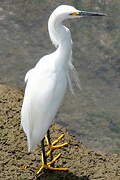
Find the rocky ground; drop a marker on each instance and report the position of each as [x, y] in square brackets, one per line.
[17, 163]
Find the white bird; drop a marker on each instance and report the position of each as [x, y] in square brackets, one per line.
[46, 83]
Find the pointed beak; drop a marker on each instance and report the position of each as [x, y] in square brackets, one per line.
[86, 13]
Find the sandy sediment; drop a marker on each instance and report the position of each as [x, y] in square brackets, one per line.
[16, 163]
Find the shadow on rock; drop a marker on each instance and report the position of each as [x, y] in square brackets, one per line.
[58, 175]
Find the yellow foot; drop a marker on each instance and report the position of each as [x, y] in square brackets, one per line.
[48, 166]
[53, 146]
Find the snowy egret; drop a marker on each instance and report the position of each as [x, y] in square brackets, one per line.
[46, 83]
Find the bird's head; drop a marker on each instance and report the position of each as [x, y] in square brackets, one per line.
[68, 12]
[60, 14]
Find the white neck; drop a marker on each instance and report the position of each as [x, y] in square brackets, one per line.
[59, 34]
[61, 38]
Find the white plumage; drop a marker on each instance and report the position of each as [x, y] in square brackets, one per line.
[46, 83]
[42, 98]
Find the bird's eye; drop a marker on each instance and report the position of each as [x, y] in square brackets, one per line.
[74, 13]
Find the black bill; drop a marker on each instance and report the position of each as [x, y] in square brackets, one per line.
[86, 13]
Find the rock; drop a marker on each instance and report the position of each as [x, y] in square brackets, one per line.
[17, 163]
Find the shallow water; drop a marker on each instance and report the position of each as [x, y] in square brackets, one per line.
[93, 114]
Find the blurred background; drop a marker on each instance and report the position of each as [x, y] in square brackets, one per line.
[93, 115]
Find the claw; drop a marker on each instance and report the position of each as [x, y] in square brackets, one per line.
[53, 146]
[48, 166]
[54, 159]
[57, 140]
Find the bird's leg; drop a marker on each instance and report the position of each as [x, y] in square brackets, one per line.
[44, 160]
[53, 145]
[46, 165]
[48, 140]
